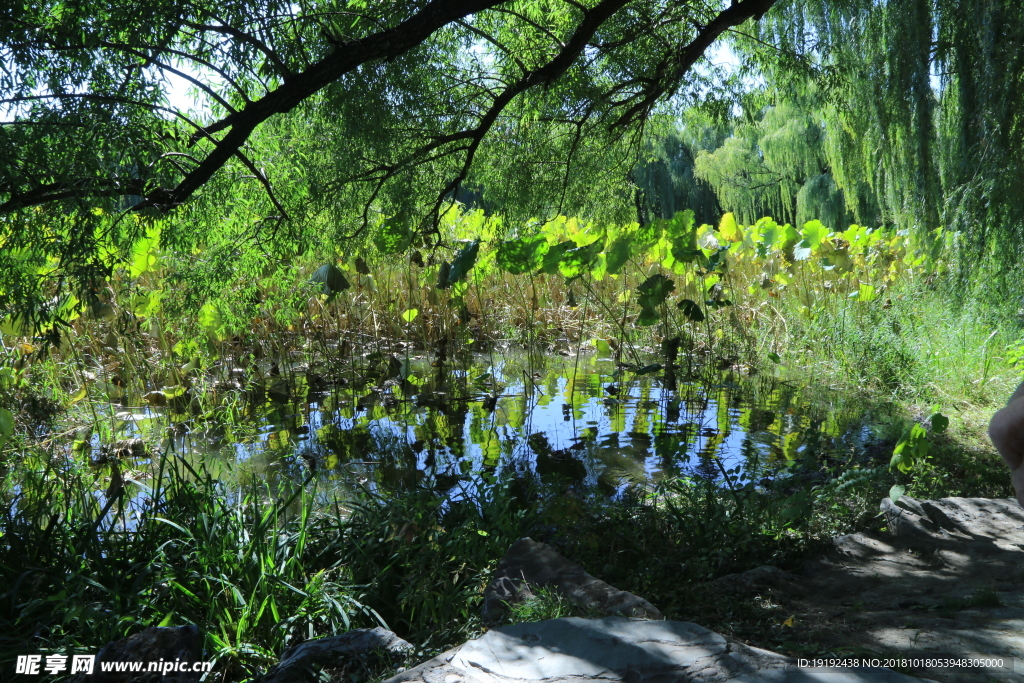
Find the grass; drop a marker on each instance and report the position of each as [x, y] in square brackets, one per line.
[80, 570]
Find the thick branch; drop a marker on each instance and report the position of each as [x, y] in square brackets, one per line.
[671, 70]
[71, 190]
[384, 45]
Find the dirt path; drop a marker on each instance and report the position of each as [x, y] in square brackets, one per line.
[945, 580]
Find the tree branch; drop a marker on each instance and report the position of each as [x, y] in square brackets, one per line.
[271, 56]
[384, 45]
[670, 71]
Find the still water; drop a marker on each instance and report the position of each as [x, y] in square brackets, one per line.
[576, 421]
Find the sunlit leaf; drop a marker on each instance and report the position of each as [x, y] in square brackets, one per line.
[865, 292]
[521, 255]
[393, 236]
[814, 233]
[896, 492]
[576, 261]
[554, 255]
[728, 228]
[603, 347]
[679, 225]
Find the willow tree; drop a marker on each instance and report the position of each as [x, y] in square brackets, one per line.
[774, 160]
[396, 103]
[665, 178]
[923, 101]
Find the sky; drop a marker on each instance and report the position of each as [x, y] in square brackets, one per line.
[182, 95]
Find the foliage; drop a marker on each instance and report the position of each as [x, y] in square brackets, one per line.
[917, 114]
[169, 547]
[914, 445]
[362, 110]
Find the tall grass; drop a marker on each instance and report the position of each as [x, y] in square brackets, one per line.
[81, 568]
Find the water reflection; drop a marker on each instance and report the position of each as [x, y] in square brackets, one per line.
[572, 421]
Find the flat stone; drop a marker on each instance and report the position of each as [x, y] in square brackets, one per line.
[156, 643]
[614, 649]
[946, 580]
[529, 563]
[596, 648]
[302, 662]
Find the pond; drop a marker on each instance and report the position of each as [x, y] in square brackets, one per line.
[578, 421]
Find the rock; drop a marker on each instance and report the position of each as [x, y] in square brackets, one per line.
[612, 649]
[945, 581]
[949, 518]
[151, 645]
[303, 662]
[529, 563]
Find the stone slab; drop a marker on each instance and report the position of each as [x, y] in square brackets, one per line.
[529, 563]
[617, 649]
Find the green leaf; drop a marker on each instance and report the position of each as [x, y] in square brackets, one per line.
[6, 422]
[653, 291]
[729, 229]
[394, 236]
[939, 423]
[648, 234]
[410, 314]
[603, 347]
[210, 317]
[774, 357]
[717, 259]
[618, 253]
[904, 462]
[684, 249]
[896, 492]
[554, 255]
[331, 279]
[692, 311]
[681, 224]
[648, 316]
[442, 275]
[463, 262]
[814, 233]
[865, 292]
[576, 261]
[521, 255]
